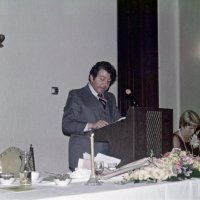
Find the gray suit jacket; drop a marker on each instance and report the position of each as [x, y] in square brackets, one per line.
[83, 107]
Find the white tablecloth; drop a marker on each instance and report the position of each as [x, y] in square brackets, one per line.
[76, 190]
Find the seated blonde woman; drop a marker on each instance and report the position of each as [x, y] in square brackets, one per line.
[186, 138]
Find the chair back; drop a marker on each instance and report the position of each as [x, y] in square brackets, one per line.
[10, 161]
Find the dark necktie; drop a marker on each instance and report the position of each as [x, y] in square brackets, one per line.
[103, 100]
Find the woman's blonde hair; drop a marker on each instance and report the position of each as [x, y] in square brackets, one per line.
[189, 118]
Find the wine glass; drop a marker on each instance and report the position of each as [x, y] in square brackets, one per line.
[99, 167]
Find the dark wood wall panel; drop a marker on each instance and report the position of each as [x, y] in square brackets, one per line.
[137, 52]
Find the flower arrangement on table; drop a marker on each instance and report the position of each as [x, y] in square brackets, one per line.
[173, 166]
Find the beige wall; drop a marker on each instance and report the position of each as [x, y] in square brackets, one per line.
[168, 48]
[55, 43]
[49, 43]
[179, 55]
[190, 54]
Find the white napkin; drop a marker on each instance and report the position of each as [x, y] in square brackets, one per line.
[85, 162]
[107, 159]
[80, 173]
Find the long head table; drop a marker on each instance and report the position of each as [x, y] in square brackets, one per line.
[76, 190]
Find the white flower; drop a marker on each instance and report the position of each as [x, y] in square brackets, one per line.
[135, 174]
[143, 174]
[194, 142]
[159, 174]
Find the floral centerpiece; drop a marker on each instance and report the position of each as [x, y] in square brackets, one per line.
[173, 166]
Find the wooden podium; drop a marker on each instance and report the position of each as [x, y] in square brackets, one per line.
[142, 131]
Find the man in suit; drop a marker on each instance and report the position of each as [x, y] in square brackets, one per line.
[85, 110]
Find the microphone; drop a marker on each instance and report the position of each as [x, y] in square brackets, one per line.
[131, 98]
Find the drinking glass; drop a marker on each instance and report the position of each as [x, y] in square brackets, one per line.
[99, 167]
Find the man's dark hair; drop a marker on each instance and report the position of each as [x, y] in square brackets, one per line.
[105, 66]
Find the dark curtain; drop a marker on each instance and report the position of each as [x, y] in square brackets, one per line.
[137, 53]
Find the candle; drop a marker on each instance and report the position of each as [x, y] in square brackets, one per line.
[92, 154]
[93, 179]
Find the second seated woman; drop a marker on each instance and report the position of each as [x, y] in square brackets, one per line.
[187, 138]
